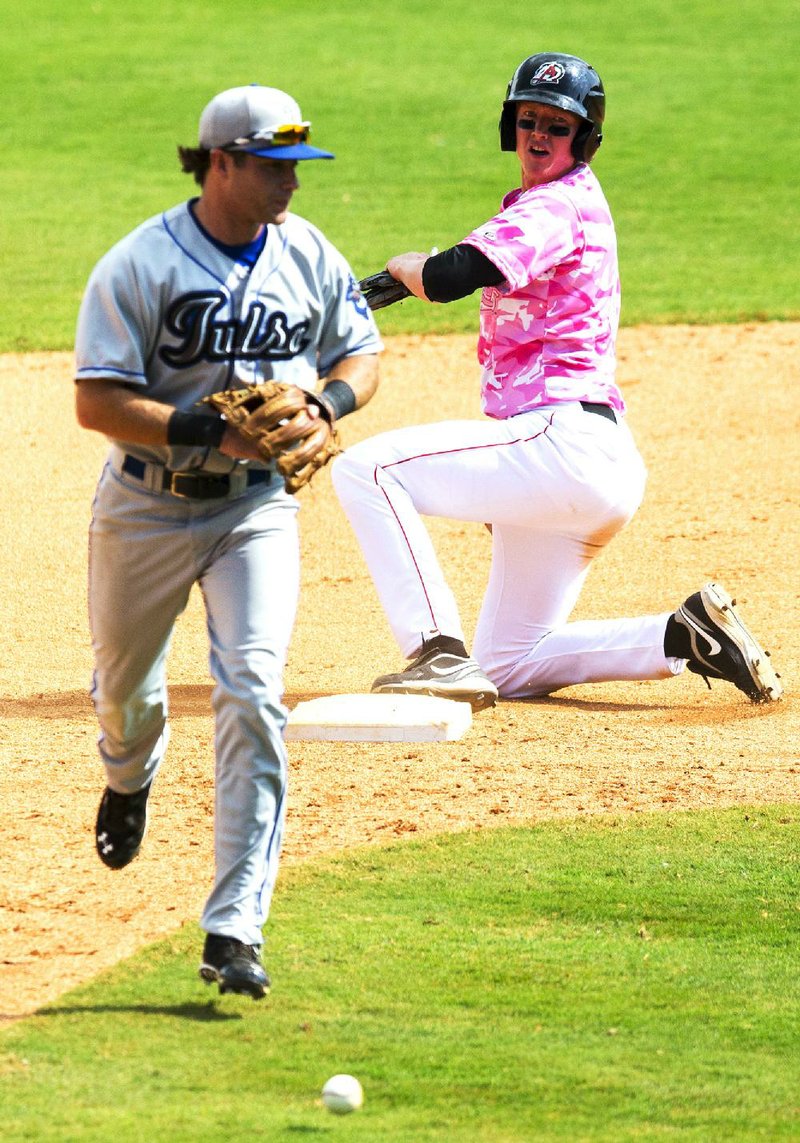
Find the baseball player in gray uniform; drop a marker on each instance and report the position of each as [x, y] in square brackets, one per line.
[226, 289]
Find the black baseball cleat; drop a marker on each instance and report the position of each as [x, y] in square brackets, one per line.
[121, 825]
[442, 675]
[721, 646]
[234, 966]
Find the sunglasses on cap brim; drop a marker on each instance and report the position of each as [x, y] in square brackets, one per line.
[287, 135]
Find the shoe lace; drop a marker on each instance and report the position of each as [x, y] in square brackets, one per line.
[697, 669]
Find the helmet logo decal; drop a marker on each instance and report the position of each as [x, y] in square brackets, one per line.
[550, 72]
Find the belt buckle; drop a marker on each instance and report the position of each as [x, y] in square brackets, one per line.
[174, 478]
[199, 485]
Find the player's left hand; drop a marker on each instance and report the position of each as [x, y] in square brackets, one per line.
[238, 446]
[284, 424]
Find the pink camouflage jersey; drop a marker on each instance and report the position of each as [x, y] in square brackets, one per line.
[548, 334]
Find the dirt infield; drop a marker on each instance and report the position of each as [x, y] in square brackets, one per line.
[715, 411]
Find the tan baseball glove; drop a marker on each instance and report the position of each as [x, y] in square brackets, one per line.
[277, 417]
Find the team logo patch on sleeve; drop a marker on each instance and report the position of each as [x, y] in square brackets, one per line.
[550, 72]
[355, 296]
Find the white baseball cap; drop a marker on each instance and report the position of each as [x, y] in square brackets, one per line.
[260, 120]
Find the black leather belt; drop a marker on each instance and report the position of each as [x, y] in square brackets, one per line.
[195, 485]
[601, 410]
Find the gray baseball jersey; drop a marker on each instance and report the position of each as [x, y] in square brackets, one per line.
[171, 311]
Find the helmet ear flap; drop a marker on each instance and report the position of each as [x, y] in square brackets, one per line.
[587, 140]
[508, 127]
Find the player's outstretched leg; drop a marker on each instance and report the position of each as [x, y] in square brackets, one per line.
[709, 633]
[234, 966]
[445, 670]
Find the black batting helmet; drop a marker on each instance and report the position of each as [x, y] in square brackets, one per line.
[562, 81]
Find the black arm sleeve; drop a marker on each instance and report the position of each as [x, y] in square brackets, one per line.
[456, 272]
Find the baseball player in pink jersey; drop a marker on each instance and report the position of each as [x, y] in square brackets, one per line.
[553, 470]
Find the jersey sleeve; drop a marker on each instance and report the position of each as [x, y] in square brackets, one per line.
[348, 328]
[115, 323]
[536, 232]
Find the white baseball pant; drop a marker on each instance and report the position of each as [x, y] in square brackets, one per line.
[556, 485]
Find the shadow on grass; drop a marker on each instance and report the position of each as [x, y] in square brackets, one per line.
[203, 1013]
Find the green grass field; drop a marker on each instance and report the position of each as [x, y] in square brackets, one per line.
[697, 162]
[615, 979]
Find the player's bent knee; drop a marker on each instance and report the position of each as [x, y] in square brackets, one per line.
[130, 731]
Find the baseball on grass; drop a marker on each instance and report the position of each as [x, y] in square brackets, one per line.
[342, 1094]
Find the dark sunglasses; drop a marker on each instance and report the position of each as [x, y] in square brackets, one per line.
[287, 135]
